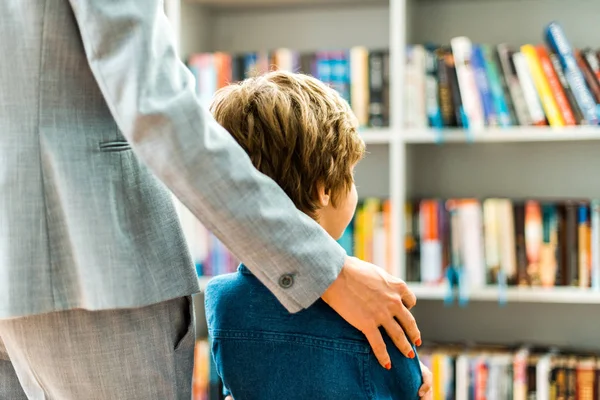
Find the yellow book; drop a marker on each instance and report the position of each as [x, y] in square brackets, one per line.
[359, 239]
[371, 208]
[543, 88]
[436, 370]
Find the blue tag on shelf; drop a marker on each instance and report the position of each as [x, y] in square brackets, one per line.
[502, 285]
[452, 280]
[438, 136]
[463, 288]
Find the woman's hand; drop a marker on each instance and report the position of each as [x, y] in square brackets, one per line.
[425, 391]
[368, 297]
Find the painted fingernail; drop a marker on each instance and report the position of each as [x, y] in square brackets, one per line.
[418, 342]
[411, 354]
[388, 366]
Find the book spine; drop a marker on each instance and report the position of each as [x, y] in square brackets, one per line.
[376, 89]
[555, 86]
[431, 250]
[558, 42]
[434, 114]
[359, 90]
[572, 245]
[508, 258]
[419, 60]
[492, 239]
[592, 60]
[541, 84]
[579, 119]
[529, 91]
[523, 117]
[547, 263]
[444, 90]
[386, 88]
[483, 85]
[502, 110]
[588, 75]
[583, 237]
[462, 50]
[323, 67]
[459, 111]
[586, 375]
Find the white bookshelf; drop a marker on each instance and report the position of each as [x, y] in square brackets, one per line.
[499, 135]
[558, 295]
[517, 162]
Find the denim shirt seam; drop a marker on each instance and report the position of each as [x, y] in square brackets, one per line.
[335, 344]
[367, 382]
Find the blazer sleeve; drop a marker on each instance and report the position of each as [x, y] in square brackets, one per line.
[131, 51]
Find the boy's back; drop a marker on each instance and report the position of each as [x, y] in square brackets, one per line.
[303, 135]
[264, 352]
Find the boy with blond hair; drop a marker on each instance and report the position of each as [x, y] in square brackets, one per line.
[304, 136]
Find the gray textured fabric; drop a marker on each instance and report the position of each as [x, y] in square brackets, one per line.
[99, 121]
[144, 353]
[10, 387]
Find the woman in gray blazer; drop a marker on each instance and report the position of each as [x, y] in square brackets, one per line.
[99, 123]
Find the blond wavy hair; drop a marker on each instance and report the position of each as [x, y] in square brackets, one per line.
[296, 130]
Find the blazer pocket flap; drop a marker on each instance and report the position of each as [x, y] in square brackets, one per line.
[115, 145]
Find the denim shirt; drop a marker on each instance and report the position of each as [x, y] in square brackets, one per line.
[262, 352]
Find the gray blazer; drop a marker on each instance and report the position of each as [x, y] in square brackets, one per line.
[99, 123]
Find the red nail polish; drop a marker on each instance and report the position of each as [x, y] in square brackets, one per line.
[411, 354]
[418, 343]
[388, 366]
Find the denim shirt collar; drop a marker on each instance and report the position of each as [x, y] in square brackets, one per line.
[244, 270]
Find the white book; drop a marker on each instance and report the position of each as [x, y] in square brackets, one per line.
[415, 103]
[542, 375]
[410, 91]
[471, 222]
[285, 59]
[462, 377]
[462, 49]
[491, 234]
[506, 229]
[529, 91]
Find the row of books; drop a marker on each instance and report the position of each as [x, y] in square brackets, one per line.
[502, 241]
[516, 374]
[206, 383]
[208, 253]
[359, 74]
[474, 86]
[369, 235]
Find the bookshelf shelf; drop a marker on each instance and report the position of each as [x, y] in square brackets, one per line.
[507, 135]
[376, 135]
[555, 295]
[519, 162]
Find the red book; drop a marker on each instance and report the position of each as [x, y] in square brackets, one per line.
[555, 86]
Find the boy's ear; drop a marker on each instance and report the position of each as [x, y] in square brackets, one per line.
[323, 194]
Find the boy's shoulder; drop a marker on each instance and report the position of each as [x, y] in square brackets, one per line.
[240, 301]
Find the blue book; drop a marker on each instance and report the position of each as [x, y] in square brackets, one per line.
[347, 239]
[500, 105]
[483, 85]
[557, 40]
[323, 67]
[339, 69]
